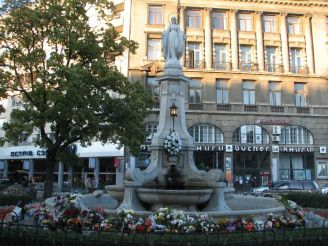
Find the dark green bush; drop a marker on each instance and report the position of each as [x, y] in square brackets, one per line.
[309, 200]
[7, 200]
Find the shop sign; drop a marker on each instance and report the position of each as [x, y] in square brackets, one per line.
[272, 122]
[253, 148]
[28, 153]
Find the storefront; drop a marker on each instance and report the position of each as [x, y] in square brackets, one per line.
[103, 163]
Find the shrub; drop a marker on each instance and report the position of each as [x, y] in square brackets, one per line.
[309, 200]
[7, 200]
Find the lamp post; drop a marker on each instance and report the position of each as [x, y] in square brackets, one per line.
[173, 112]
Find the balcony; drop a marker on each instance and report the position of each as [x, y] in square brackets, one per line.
[195, 106]
[248, 67]
[194, 64]
[223, 107]
[221, 66]
[299, 69]
[274, 68]
[250, 108]
[303, 110]
[277, 109]
[156, 105]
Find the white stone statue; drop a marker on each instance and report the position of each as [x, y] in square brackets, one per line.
[173, 41]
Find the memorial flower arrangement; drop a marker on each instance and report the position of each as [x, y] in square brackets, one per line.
[172, 143]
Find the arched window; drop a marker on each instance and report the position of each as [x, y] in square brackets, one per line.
[206, 133]
[151, 129]
[251, 134]
[296, 135]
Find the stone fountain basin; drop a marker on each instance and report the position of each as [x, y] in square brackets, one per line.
[178, 198]
[116, 191]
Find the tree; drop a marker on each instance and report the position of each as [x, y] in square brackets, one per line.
[56, 63]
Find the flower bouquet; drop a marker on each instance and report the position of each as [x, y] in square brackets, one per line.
[172, 144]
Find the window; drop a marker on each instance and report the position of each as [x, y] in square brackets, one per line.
[293, 24]
[248, 93]
[194, 91]
[271, 59]
[251, 134]
[275, 93]
[245, 57]
[295, 135]
[206, 133]
[300, 97]
[295, 60]
[193, 17]
[151, 129]
[220, 57]
[194, 55]
[155, 15]
[269, 23]
[153, 87]
[245, 22]
[322, 169]
[219, 21]
[154, 49]
[222, 92]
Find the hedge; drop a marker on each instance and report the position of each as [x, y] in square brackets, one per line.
[308, 200]
[7, 200]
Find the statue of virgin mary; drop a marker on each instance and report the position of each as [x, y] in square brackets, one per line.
[173, 41]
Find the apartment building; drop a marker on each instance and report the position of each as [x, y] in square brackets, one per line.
[257, 104]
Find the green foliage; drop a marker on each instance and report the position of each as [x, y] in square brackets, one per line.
[309, 200]
[7, 200]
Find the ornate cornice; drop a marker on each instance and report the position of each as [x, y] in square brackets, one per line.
[305, 3]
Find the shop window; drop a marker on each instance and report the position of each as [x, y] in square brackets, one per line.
[194, 91]
[251, 134]
[248, 93]
[153, 87]
[155, 15]
[193, 17]
[151, 129]
[219, 21]
[245, 22]
[222, 92]
[269, 23]
[300, 96]
[296, 135]
[275, 93]
[153, 49]
[293, 24]
[206, 133]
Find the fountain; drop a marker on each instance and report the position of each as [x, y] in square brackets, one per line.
[172, 178]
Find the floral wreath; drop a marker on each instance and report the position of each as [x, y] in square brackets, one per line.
[172, 144]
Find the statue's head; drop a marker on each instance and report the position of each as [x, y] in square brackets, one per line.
[174, 20]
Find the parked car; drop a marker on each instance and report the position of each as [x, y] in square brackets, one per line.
[258, 191]
[285, 186]
[324, 189]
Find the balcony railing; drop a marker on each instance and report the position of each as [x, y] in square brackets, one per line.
[248, 67]
[277, 109]
[303, 110]
[194, 64]
[250, 108]
[223, 107]
[195, 106]
[156, 105]
[299, 69]
[273, 68]
[221, 66]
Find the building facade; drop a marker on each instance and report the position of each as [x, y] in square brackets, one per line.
[257, 104]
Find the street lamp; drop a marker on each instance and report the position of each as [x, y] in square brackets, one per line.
[173, 112]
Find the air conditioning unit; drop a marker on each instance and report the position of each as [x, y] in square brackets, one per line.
[276, 130]
[275, 138]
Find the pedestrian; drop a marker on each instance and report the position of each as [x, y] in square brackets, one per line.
[89, 185]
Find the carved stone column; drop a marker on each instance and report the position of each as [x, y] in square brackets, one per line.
[284, 42]
[259, 41]
[208, 39]
[309, 43]
[234, 39]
